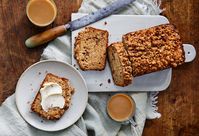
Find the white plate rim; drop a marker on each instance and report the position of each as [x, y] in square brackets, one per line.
[43, 61]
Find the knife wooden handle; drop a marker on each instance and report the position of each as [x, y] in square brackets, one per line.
[45, 36]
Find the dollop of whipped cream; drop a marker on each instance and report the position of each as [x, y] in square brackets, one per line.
[51, 96]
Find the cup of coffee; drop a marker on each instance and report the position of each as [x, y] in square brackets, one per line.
[41, 12]
[121, 108]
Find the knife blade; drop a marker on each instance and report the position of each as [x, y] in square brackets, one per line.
[98, 15]
[51, 34]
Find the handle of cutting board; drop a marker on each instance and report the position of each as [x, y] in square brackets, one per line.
[45, 36]
[190, 52]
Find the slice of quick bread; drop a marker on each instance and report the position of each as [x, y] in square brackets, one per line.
[120, 64]
[55, 112]
[154, 49]
[90, 49]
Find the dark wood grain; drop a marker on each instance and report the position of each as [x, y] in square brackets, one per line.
[178, 104]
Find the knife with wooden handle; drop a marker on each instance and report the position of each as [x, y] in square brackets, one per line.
[51, 34]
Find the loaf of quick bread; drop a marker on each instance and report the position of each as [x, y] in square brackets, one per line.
[120, 64]
[154, 49]
[90, 48]
[55, 112]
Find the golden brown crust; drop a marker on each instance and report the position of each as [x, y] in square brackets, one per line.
[90, 49]
[53, 113]
[120, 64]
[154, 49]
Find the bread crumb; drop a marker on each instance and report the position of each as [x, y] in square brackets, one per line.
[105, 23]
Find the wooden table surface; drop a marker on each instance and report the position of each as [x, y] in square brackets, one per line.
[178, 104]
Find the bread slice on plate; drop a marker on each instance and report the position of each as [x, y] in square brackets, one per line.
[90, 48]
[120, 64]
[55, 112]
[154, 49]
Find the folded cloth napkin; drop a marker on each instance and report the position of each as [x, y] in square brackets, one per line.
[95, 121]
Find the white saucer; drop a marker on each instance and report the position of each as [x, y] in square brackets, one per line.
[29, 84]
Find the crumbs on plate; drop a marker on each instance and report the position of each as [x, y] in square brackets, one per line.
[105, 23]
[109, 81]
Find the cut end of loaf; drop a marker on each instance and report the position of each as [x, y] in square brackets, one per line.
[120, 64]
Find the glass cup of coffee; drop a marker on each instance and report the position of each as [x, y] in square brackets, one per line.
[41, 12]
[121, 108]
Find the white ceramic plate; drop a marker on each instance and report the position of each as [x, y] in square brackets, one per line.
[29, 84]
